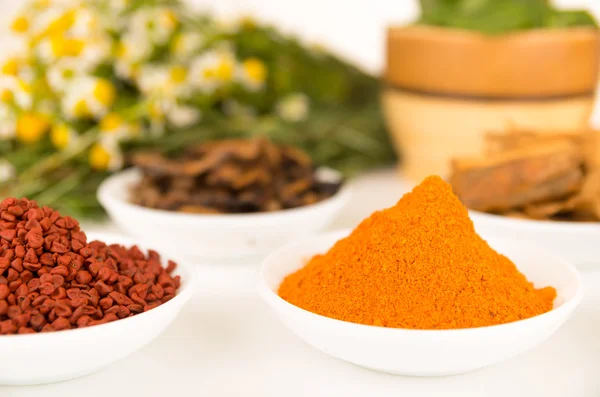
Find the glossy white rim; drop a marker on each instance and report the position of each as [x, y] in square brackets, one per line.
[122, 180]
[286, 309]
[186, 291]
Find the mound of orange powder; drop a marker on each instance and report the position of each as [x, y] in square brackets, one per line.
[417, 265]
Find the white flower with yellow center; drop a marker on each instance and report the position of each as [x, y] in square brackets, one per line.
[8, 123]
[294, 107]
[182, 116]
[86, 23]
[114, 127]
[54, 20]
[61, 74]
[106, 155]
[211, 70]
[96, 50]
[88, 97]
[17, 91]
[57, 46]
[133, 48]
[164, 81]
[252, 74]
[19, 67]
[126, 70]
[185, 45]
[63, 137]
[156, 23]
[7, 171]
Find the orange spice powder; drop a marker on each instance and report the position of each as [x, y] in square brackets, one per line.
[417, 265]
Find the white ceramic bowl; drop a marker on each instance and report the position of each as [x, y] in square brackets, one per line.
[578, 243]
[216, 236]
[57, 356]
[423, 352]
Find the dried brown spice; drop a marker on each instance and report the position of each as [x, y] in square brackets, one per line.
[230, 176]
[52, 279]
[533, 175]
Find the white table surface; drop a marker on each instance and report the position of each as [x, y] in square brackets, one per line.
[227, 343]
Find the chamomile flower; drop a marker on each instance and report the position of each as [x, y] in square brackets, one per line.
[88, 97]
[133, 48]
[86, 23]
[157, 23]
[186, 44]
[294, 107]
[127, 70]
[165, 81]
[113, 126]
[62, 136]
[61, 74]
[212, 70]
[106, 156]
[17, 66]
[96, 50]
[55, 20]
[54, 47]
[181, 116]
[252, 74]
[7, 171]
[16, 91]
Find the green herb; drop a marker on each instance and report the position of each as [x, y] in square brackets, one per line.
[500, 16]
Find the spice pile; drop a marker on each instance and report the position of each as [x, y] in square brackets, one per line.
[533, 175]
[52, 279]
[230, 176]
[417, 265]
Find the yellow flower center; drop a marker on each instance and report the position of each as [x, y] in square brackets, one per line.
[10, 67]
[99, 157]
[20, 24]
[62, 46]
[31, 127]
[255, 69]
[104, 92]
[81, 109]
[178, 74]
[6, 96]
[169, 19]
[224, 71]
[60, 136]
[111, 122]
[61, 24]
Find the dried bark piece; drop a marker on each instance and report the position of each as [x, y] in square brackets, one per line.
[512, 179]
[546, 210]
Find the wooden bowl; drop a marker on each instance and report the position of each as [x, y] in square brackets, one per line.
[445, 88]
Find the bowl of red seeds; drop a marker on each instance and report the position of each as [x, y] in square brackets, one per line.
[71, 304]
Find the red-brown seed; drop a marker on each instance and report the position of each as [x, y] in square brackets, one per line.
[60, 324]
[83, 277]
[4, 291]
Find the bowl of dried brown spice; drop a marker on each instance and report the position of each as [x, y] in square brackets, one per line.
[224, 199]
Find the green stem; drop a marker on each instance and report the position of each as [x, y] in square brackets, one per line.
[60, 189]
